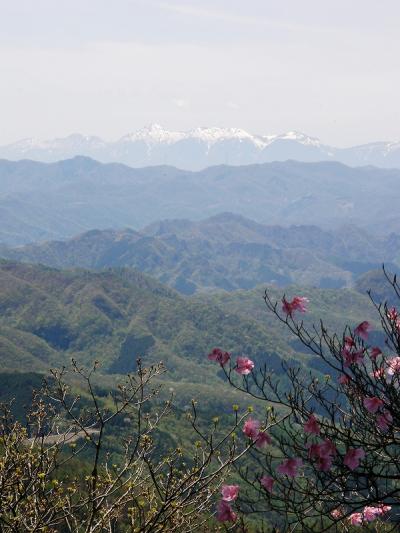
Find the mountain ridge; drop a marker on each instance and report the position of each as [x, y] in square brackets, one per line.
[202, 147]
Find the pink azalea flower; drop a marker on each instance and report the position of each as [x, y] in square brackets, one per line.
[327, 448]
[352, 358]
[251, 428]
[289, 467]
[349, 342]
[229, 492]
[356, 519]
[394, 366]
[244, 365]
[375, 352]
[378, 373]
[267, 482]
[225, 512]
[372, 404]
[370, 513]
[312, 426]
[392, 314]
[299, 303]
[384, 420]
[337, 513]
[263, 439]
[343, 379]
[323, 453]
[382, 509]
[219, 355]
[363, 329]
[353, 457]
[324, 463]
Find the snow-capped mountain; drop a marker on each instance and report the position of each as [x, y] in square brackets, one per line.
[202, 147]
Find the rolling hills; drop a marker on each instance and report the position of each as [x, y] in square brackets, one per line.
[49, 316]
[226, 252]
[41, 201]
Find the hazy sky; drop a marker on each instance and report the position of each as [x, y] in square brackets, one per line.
[329, 68]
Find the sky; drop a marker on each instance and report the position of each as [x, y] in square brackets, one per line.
[329, 68]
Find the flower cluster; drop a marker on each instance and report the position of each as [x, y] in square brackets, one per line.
[225, 512]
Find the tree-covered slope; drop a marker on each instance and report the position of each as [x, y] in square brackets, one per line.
[226, 251]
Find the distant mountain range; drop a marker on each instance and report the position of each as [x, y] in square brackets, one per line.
[202, 147]
[48, 201]
[226, 251]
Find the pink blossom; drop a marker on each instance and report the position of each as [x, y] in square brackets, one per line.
[327, 448]
[394, 366]
[225, 512]
[337, 513]
[352, 358]
[382, 509]
[267, 482]
[375, 352]
[312, 426]
[219, 355]
[384, 420]
[251, 428]
[392, 314]
[229, 492]
[299, 303]
[356, 519]
[324, 463]
[363, 329]
[378, 373]
[349, 342]
[353, 457]
[289, 467]
[244, 365]
[343, 379]
[372, 404]
[263, 439]
[370, 513]
[323, 453]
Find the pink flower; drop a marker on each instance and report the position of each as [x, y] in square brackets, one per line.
[349, 342]
[378, 373]
[324, 463]
[353, 457]
[229, 492]
[352, 358]
[392, 314]
[372, 404]
[323, 453]
[363, 329]
[394, 366]
[267, 482]
[225, 512]
[251, 428]
[299, 303]
[263, 439]
[370, 513]
[343, 379]
[337, 513]
[356, 519]
[384, 420]
[312, 426]
[382, 509]
[219, 355]
[327, 448]
[289, 467]
[375, 352]
[244, 365]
